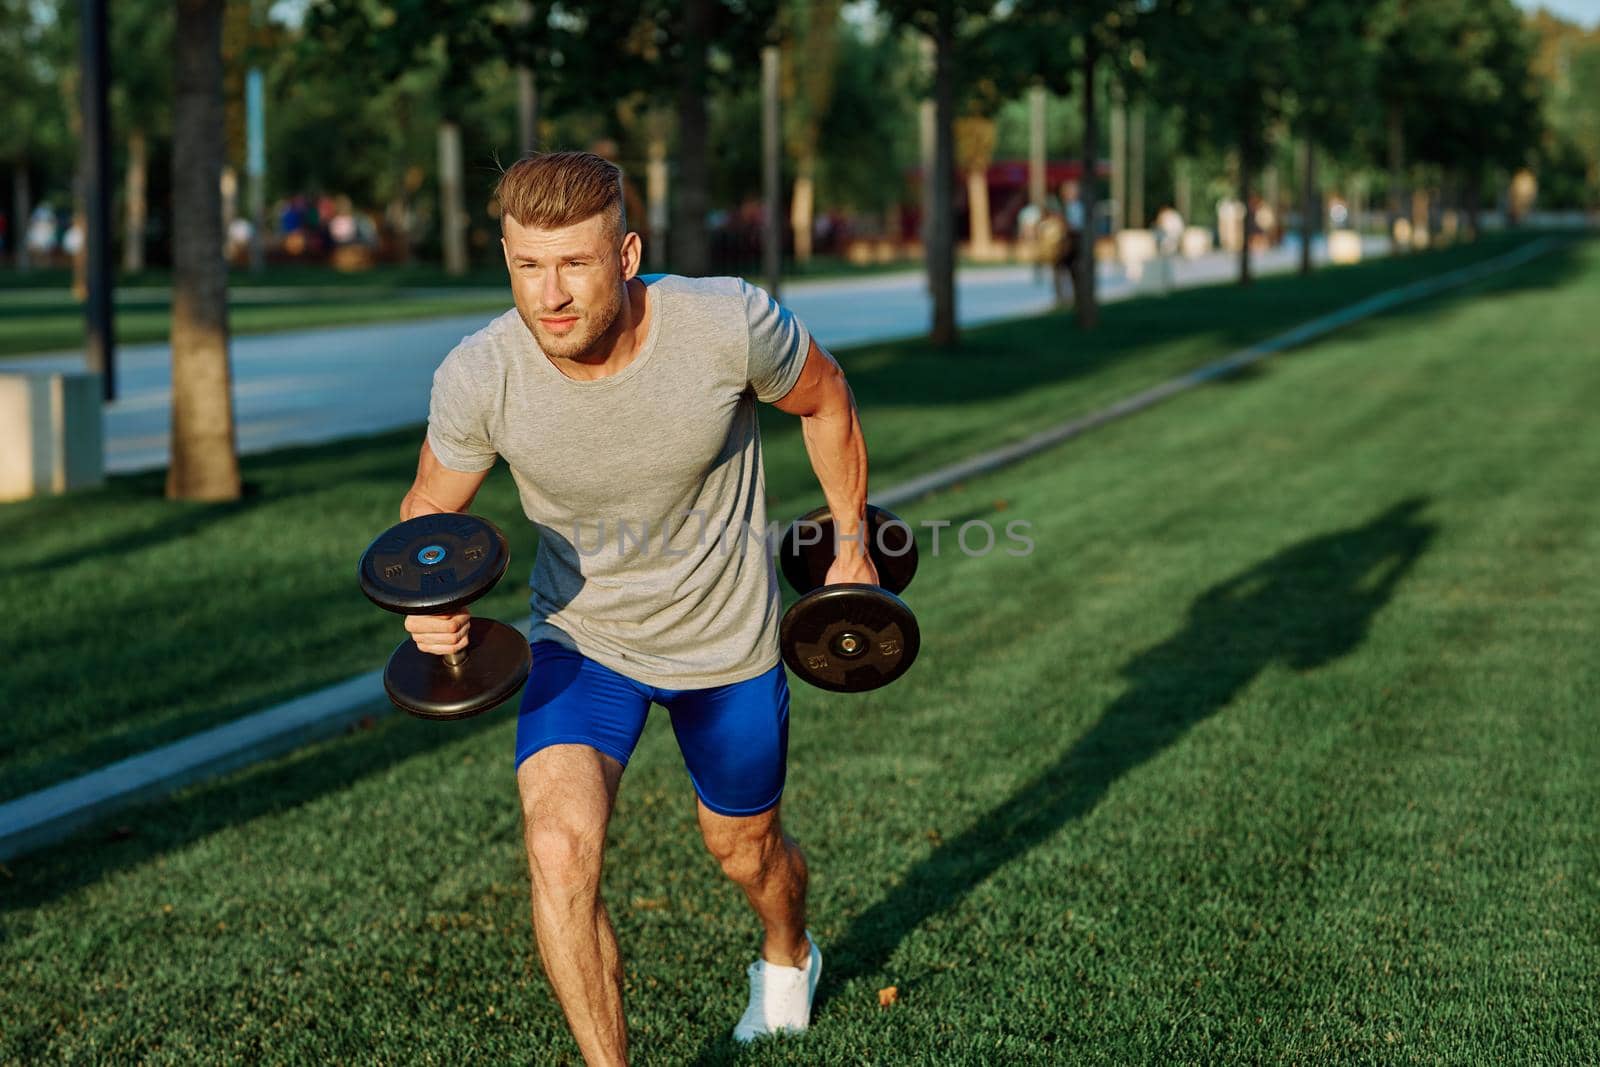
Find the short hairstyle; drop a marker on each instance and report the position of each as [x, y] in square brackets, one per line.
[555, 189]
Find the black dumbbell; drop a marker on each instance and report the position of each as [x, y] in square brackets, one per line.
[848, 638]
[437, 565]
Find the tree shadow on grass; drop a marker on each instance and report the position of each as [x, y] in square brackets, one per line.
[1305, 607]
[135, 836]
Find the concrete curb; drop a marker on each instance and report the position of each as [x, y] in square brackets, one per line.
[46, 816]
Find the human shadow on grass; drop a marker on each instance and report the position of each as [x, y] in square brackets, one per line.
[1304, 607]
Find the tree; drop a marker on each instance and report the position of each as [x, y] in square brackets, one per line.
[1493, 120]
[141, 101]
[33, 115]
[1228, 66]
[1332, 91]
[453, 39]
[1457, 84]
[810, 61]
[946, 25]
[1567, 59]
[204, 463]
[1099, 35]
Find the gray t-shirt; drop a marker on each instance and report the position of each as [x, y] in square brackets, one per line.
[646, 486]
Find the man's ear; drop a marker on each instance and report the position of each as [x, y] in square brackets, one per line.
[632, 254]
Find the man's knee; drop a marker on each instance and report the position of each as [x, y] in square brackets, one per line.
[563, 856]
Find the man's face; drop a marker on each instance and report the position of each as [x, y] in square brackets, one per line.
[569, 283]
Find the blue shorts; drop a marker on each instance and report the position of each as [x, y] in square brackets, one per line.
[734, 738]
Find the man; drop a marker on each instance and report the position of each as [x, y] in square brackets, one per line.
[625, 409]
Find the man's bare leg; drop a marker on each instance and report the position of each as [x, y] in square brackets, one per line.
[568, 792]
[771, 870]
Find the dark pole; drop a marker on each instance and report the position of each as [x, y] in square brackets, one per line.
[97, 193]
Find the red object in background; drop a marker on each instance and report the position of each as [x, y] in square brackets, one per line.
[1008, 193]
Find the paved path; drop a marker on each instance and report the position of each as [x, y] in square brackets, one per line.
[330, 383]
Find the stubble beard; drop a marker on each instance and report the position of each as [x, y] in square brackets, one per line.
[591, 328]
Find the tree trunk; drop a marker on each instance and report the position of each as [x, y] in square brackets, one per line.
[452, 215]
[1473, 201]
[80, 255]
[1038, 185]
[1084, 296]
[1247, 227]
[21, 212]
[527, 87]
[802, 216]
[204, 465]
[980, 232]
[398, 217]
[771, 171]
[942, 225]
[527, 111]
[135, 210]
[1310, 215]
[1396, 173]
[1119, 157]
[1136, 215]
[1180, 189]
[655, 184]
[691, 247]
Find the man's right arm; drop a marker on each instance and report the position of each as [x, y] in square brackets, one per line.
[438, 488]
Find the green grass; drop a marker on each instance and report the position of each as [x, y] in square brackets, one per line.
[152, 620]
[1279, 748]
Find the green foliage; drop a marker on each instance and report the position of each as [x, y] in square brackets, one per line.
[1460, 72]
[1333, 79]
[1567, 61]
[35, 120]
[1228, 66]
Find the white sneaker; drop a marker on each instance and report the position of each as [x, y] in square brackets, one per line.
[780, 997]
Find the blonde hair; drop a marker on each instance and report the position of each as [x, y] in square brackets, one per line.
[555, 189]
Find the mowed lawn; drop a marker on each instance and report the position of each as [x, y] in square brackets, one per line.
[151, 620]
[1279, 747]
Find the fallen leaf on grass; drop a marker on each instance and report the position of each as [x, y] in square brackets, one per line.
[888, 996]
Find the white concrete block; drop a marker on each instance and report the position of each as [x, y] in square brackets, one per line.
[51, 436]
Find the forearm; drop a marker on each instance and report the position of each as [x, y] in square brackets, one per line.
[838, 452]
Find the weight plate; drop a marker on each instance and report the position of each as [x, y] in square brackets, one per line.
[807, 549]
[849, 638]
[497, 663]
[433, 564]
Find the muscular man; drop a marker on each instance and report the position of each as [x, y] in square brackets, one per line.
[625, 409]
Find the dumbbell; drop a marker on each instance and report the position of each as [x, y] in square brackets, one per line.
[848, 638]
[437, 565]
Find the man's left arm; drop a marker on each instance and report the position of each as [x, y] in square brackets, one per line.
[831, 429]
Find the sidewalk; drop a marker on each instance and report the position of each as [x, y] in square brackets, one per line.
[325, 384]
